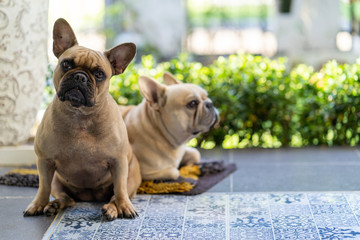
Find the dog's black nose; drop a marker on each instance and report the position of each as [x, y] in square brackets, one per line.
[209, 105]
[80, 77]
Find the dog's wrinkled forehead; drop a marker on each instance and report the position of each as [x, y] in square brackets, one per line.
[87, 58]
[186, 92]
[202, 92]
[193, 89]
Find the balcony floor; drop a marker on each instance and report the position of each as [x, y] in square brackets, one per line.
[307, 193]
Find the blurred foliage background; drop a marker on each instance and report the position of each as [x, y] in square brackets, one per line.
[262, 102]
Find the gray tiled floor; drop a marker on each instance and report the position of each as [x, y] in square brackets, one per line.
[310, 169]
[259, 170]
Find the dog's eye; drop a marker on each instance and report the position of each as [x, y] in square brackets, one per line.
[99, 75]
[66, 65]
[192, 104]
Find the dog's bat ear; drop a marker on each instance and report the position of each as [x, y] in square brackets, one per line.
[63, 36]
[120, 56]
[152, 91]
[169, 79]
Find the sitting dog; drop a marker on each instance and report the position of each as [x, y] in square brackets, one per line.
[168, 117]
[82, 144]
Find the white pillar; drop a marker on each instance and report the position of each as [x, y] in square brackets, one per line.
[311, 24]
[23, 64]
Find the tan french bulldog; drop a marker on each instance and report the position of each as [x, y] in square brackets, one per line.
[82, 144]
[169, 116]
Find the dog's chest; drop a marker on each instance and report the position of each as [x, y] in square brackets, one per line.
[83, 167]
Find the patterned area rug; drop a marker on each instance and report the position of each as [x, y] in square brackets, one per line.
[193, 180]
[292, 215]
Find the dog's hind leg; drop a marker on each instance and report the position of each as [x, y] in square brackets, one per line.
[62, 199]
[162, 174]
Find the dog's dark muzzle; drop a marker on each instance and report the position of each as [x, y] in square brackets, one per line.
[76, 89]
[214, 113]
[216, 117]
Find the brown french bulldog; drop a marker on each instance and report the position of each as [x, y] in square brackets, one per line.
[169, 116]
[82, 144]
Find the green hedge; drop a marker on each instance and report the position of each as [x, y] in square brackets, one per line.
[263, 103]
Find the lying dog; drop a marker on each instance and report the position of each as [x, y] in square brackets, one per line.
[160, 126]
[82, 144]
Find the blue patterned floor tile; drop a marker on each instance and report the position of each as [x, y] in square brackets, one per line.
[71, 235]
[161, 228]
[248, 204]
[293, 221]
[204, 234]
[167, 199]
[124, 228]
[248, 211]
[162, 206]
[327, 198]
[249, 199]
[118, 229]
[309, 233]
[207, 206]
[208, 199]
[204, 229]
[339, 233]
[151, 233]
[354, 203]
[192, 222]
[288, 198]
[251, 233]
[250, 221]
[141, 201]
[331, 209]
[160, 223]
[78, 222]
[289, 215]
[213, 212]
[290, 209]
[165, 210]
[336, 220]
[352, 196]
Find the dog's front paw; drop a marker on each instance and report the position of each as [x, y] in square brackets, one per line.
[126, 209]
[109, 211]
[34, 209]
[55, 206]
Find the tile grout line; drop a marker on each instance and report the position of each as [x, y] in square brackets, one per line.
[227, 217]
[271, 219]
[352, 210]
[97, 229]
[142, 220]
[185, 210]
[51, 229]
[312, 215]
[231, 160]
